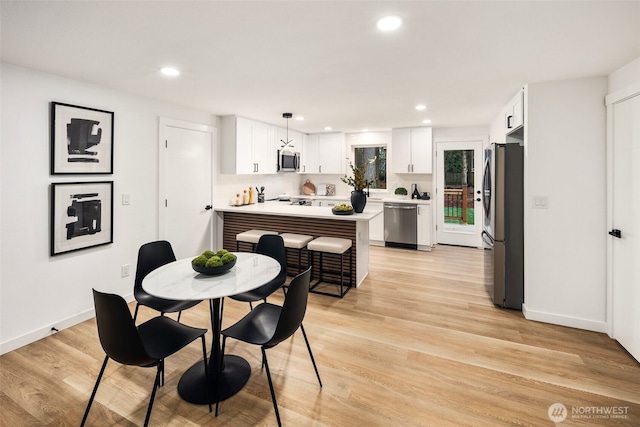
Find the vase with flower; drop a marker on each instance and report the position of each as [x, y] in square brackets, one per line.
[359, 183]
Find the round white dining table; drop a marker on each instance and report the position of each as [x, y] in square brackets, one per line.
[178, 281]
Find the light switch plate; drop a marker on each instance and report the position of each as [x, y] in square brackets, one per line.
[126, 199]
[541, 202]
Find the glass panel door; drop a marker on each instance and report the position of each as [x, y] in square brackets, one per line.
[459, 193]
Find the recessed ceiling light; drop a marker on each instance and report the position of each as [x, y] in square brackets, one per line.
[299, 117]
[421, 107]
[171, 72]
[365, 130]
[327, 128]
[426, 121]
[389, 23]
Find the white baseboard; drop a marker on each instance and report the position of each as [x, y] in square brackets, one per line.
[558, 319]
[44, 332]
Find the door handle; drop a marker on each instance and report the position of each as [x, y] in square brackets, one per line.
[208, 208]
[616, 233]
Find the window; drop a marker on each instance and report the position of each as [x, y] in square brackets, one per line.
[374, 159]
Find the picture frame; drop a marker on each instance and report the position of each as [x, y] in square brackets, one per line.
[81, 215]
[81, 140]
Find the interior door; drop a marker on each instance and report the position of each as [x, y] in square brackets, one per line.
[186, 187]
[624, 243]
[459, 193]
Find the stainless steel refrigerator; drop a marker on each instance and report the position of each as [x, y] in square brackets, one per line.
[503, 228]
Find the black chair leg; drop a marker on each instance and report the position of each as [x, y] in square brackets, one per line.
[179, 314]
[304, 334]
[273, 393]
[153, 394]
[95, 389]
[135, 314]
[224, 342]
[206, 372]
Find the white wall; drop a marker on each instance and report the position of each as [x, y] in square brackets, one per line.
[565, 160]
[38, 291]
[625, 76]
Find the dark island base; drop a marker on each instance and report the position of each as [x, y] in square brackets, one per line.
[238, 222]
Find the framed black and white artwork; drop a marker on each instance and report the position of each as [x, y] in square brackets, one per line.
[81, 215]
[81, 140]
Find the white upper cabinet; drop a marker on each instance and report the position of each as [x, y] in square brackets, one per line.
[497, 129]
[514, 114]
[248, 146]
[323, 153]
[411, 150]
[509, 119]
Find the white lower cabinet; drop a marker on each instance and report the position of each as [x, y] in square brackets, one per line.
[424, 227]
[376, 225]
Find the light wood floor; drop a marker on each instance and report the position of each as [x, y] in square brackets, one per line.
[419, 343]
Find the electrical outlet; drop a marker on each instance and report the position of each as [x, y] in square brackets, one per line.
[125, 270]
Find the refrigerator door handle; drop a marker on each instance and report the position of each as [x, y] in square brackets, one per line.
[487, 238]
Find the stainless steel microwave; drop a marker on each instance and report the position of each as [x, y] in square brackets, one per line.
[288, 161]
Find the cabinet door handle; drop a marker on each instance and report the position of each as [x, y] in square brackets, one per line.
[409, 167]
[509, 118]
[320, 169]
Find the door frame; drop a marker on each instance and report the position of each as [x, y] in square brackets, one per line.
[483, 140]
[611, 99]
[163, 124]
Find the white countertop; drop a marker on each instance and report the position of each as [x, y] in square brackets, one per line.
[372, 199]
[287, 209]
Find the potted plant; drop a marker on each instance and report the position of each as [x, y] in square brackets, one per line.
[358, 182]
[401, 192]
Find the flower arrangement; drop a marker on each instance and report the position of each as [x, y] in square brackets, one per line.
[357, 181]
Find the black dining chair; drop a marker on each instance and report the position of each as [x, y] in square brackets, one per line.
[151, 256]
[146, 345]
[271, 245]
[267, 325]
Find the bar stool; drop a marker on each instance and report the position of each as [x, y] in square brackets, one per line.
[251, 236]
[337, 246]
[297, 242]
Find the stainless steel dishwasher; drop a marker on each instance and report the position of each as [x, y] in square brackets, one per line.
[401, 225]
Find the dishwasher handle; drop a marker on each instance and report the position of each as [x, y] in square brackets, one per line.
[403, 206]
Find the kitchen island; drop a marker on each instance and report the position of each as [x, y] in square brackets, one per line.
[316, 221]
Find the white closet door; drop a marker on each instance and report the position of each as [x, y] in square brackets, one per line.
[625, 250]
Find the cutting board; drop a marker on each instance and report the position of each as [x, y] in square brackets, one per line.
[308, 188]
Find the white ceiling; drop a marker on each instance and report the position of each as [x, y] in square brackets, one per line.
[324, 60]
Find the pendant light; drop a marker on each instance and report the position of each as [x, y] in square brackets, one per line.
[287, 142]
